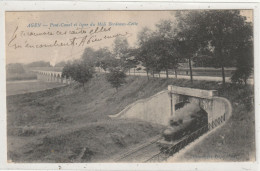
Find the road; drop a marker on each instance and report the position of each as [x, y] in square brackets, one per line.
[206, 78]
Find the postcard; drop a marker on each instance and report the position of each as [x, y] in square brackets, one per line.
[171, 86]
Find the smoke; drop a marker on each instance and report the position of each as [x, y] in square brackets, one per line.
[54, 58]
[185, 112]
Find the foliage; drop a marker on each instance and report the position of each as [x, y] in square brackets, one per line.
[79, 71]
[120, 46]
[144, 54]
[15, 68]
[244, 57]
[120, 51]
[157, 50]
[241, 75]
[105, 59]
[116, 77]
[39, 64]
[130, 60]
[89, 56]
[208, 38]
[244, 66]
[60, 64]
[218, 31]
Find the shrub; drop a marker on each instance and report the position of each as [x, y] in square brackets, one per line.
[78, 71]
[116, 77]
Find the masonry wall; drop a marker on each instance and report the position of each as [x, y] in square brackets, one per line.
[155, 109]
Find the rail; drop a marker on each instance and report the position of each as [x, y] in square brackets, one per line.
[177, 146]
[138, 149]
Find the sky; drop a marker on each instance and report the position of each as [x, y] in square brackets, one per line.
[61, 23]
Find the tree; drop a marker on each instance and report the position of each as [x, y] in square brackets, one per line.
[244, 66]
[89, 56]
[130, 60]
[67, 70]
[159, 53]
[15, 68]
[39, 64]
[116, 77]
[120, 50]
[168, 46]
[227, 30]
[79, 71]
[120, 46]
[142, 55]
[221, 31]
[109, 62]
[157, 50]
[142, 52]
[188, 35]
[102, 55]
[60, 64]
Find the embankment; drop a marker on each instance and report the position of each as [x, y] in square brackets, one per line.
[69, 124]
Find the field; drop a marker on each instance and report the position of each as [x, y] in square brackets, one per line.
[69, 124]
[20, 76]
[20, 87]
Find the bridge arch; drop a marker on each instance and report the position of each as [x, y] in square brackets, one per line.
[52, 76]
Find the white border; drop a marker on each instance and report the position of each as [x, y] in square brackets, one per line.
[125, 5]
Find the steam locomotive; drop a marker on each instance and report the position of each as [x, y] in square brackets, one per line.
[188, 120]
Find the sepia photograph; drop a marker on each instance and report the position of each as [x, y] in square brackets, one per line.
[138, 86]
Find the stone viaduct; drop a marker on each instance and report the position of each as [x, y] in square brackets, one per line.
[52, 76]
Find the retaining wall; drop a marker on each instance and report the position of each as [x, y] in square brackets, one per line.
[155, 109]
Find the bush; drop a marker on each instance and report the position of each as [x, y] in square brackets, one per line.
[15, 68]
[241, 75]
[116, 78]
[78, 71]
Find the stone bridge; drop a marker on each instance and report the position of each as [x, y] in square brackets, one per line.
[52, 76]
[160, 107]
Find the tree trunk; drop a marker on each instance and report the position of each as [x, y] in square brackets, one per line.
[159, 75]
[83, 87]
[129, 70]
[134, 71]
[167, 74]
[191, 79]
[245, 80]
[153, 74]
[175, 71]
[147, 74]
[223, 75]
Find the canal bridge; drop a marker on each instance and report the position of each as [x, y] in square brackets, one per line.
[52, 76]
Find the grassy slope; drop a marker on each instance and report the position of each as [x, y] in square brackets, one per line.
[37, 121]
[67, 121]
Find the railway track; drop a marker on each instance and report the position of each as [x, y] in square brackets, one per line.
[147, 151]
[141, 153]
[153, 151]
